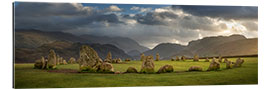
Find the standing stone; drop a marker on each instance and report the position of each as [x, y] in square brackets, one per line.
[127, 59]
[157, 57]
[148, 65]
[183, 58]
[228, 64]
[142, 57]
[238, 62]
[119, 60]
[206, 60]
[64, 62]
[177, 58]
[72, 60]
[220, 59]
[172, 59]
[61, 60]
[165, 69]
[89, 60]
[195, 68]
[108, 58]
[114, 60]
[131, 70]
[225, 60]
[38, 64]
[51, 60]
[43, 62]
[214, 65]
[196, 58]
[106, 68]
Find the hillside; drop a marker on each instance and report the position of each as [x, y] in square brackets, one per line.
[209, 46]
[165, 49]
[123, 43]
[35, 38]
[66, 50]
[222, 45]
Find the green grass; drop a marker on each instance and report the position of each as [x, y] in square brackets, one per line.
[27, 77]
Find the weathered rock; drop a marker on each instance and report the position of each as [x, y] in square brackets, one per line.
[220, 59]
[177, 58]
[172, 59]
[114, 61]
[238, 62]
[142, 57]
[165, 69]
[196, 58]
[131, 70]
[108, 58]
[106, 67]
[127, 59]
[65, 62]
[206, 60]
[38, 64]
[183, 58]
[157, 57]
[44, 62]
[195, 68]
[61, 61]
[225, 60]
[119, 60]
[51, 60]
[89, 60]
[214, 65]
[228, 64]
[72, 60]
[148, 65]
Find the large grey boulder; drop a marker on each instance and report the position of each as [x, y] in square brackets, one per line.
[148, 65]
[89, 60]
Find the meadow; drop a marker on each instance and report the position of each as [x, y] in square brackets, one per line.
[27, 77]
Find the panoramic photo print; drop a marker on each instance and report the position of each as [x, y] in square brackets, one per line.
[84, 45]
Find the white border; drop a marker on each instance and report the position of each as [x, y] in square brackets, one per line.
[6, 40]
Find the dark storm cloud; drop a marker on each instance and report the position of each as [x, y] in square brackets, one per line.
[59, 16]
[50, 9]
[154, 18]
[159, 25]
[225, 12]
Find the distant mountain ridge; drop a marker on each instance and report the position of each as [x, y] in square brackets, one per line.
[165, 49]
[31, 44]
[35, 38]
[66, 50]
[123, 43]
[209, 46]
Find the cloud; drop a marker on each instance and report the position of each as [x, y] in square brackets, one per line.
[114, 8]
[224, 12]
[51, 9]
[140, 9]
[170, 24]
[60, 16]
[250, 25]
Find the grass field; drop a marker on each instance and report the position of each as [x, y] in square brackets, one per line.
[27, 77]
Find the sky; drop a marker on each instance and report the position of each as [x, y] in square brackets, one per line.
[147, 24]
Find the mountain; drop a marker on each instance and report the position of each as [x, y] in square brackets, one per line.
[221, 45]
[134, 53]
[209, 46]
[123, 43]
[34, 38]
[66, 49]
[206, 44]
[165, 50]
